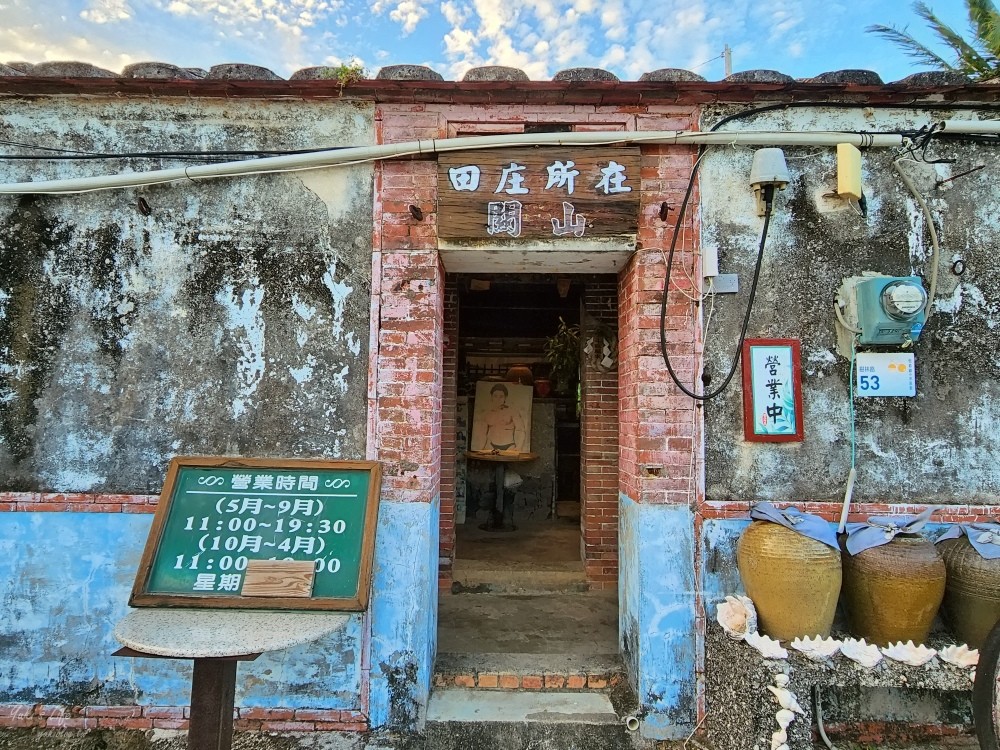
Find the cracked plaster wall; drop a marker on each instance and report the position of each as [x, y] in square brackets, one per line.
[938, 447]
[233, 319]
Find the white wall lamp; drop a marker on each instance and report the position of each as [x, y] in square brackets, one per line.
[767, 174]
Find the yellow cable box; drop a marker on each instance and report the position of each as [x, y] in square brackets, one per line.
[848, 171]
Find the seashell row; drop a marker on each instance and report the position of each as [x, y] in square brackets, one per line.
[960, 656]
[908, 653]
[816, 648]
[786, 699]
[768, 647]
[784, 717]
[865, 654]
[737, 616]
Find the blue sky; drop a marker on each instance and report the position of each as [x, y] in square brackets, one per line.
[628, 37]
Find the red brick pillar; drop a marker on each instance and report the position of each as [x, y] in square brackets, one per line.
[449, 406]
[599, 441]
[656, 419]
[408, 391]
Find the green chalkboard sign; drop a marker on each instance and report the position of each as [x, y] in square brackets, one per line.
[218, 516]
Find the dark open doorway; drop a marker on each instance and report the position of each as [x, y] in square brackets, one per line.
[504, 323]
[519, 583]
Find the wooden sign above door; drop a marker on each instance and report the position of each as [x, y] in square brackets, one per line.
[559, 193]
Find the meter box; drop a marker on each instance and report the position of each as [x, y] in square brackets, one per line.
[891, 310]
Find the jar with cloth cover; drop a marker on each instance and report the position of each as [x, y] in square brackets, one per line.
[894, 579]
[971, 604]
[789, 562]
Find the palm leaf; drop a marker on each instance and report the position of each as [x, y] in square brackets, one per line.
[969, 59]
[977, 57]
[910, 46]
[985, 21]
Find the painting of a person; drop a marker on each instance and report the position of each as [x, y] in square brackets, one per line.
[504, 425]
[499, 422]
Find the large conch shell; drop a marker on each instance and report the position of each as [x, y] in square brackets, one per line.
[865, 654]
[818, 648]
[768, 647]
[786, 699]
[737, 616]
[960, 656]
[908, 653]
[784, 717]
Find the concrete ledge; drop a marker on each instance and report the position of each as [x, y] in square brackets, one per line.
[740, 709]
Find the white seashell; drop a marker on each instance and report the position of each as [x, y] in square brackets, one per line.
[972, 675]
[816, 648]
[865, 654]
[960, 656]
[782, 746]
[768, 647]
[786, 699]
[778, 739]
[907, 653]
[781, 679]
[737, 616]
[784, 717]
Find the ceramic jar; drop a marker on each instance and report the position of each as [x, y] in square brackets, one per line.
[520, 374]
[893, 592]
[793, 580]
[972, 591]
[543, 387]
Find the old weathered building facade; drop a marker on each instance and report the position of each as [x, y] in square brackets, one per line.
[317, 313]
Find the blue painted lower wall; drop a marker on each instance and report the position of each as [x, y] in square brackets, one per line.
[657, 615]
[66, 578]
[404, 613]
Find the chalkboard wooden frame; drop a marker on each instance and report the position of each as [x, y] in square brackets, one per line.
[143, 595]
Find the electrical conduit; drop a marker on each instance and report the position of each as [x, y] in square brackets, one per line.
[360, 154]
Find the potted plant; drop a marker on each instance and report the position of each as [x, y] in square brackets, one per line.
[562, 351]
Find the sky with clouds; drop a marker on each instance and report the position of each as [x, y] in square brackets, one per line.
[628, 37]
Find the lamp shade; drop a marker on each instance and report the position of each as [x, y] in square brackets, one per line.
[769, 168]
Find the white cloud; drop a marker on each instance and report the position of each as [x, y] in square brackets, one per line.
[407, 13]
[628, 37]
[106, 11]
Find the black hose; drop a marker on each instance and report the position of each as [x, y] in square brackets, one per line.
[768, 203]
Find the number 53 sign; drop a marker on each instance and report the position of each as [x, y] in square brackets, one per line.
[885, 374]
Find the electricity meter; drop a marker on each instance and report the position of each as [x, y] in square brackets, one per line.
[891, 309]
[902, 299]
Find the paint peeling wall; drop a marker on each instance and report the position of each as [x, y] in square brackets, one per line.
[939, 447]
[66, 580]
[657, 614]
[233, 319]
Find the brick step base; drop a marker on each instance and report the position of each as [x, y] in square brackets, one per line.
[559, 672]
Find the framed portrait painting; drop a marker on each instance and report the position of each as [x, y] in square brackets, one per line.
[501, 419]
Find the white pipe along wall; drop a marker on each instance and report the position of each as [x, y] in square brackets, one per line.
[354, 155]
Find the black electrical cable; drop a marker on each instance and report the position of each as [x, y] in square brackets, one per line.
[760, 253]
[926, 132]
[768, 203]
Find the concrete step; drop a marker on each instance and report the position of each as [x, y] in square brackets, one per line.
[463, 719]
